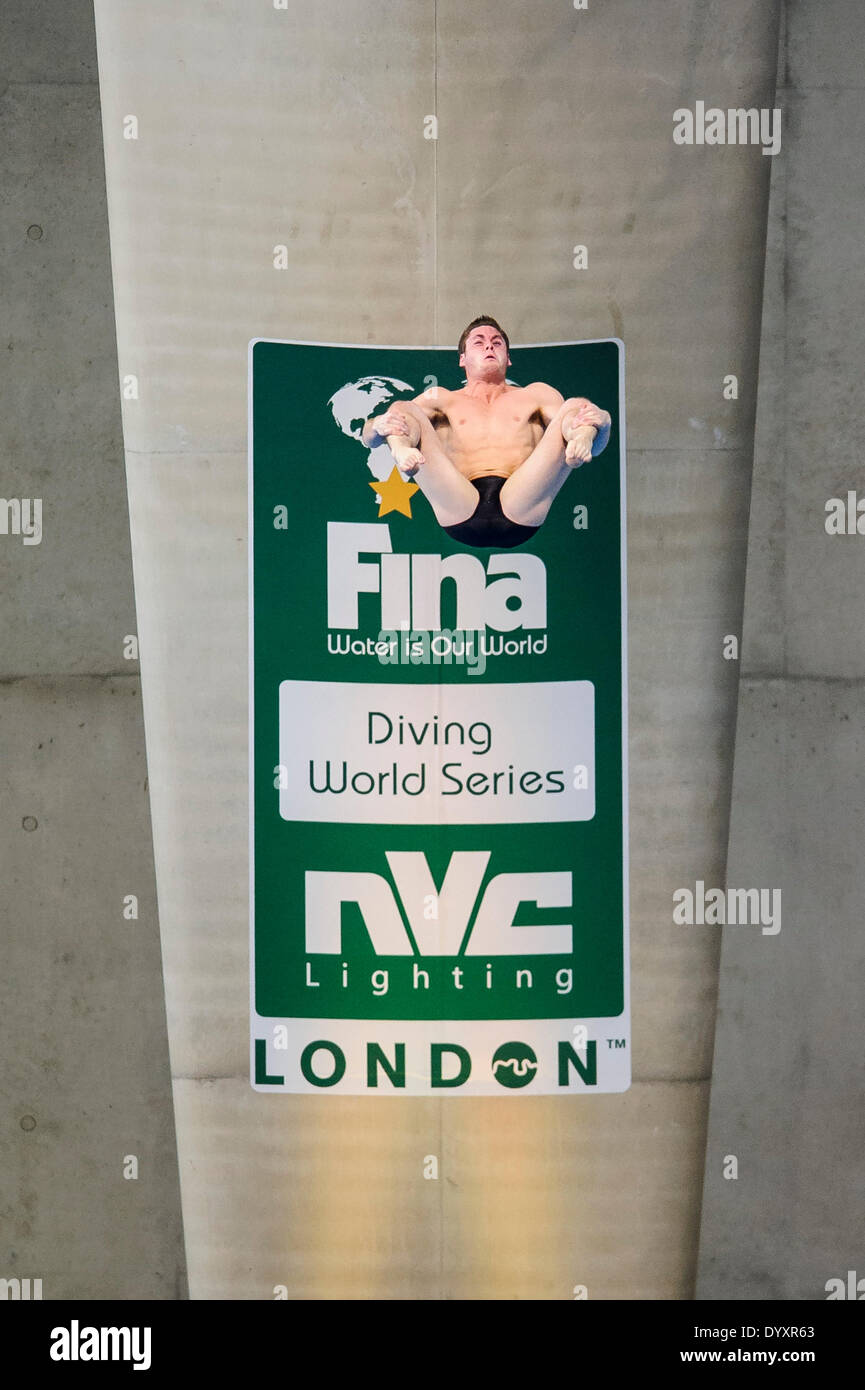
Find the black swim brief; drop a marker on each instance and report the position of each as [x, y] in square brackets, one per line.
[488, 526]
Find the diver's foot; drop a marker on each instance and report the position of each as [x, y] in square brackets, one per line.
[410, 462]
[579, 447]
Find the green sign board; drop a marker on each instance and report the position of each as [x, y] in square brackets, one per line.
[438, 734]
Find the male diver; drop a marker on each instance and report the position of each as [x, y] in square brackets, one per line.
[490, 457]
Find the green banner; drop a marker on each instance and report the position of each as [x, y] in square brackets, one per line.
[437, 742]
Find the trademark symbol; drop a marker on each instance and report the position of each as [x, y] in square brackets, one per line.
[617, 1042]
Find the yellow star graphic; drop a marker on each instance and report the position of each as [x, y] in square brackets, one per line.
[395, 493]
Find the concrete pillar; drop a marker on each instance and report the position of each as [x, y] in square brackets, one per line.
[86, 1085]
[788, 1072]
[257, 126]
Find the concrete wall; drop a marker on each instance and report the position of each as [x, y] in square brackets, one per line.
[259, 126]
[85, 1078]
[788, 1073]
[304, 126]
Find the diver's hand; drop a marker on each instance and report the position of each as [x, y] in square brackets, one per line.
[394, 422]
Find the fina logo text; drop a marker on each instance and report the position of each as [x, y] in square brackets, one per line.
[409, 587]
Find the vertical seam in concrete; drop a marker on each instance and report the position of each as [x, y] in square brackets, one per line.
[435, 246]
[780, 72]
[785, 73]
[435, 338]
[744, 678]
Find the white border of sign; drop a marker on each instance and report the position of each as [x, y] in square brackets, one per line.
[539, 1032]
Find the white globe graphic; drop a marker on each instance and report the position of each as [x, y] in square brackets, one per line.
[353, 404]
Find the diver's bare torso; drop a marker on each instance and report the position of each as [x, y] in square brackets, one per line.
[489, 437]
[453, 442]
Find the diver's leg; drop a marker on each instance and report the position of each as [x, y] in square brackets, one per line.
[528, 494]
[451, 496]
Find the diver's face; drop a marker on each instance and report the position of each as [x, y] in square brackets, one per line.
[485, 355]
